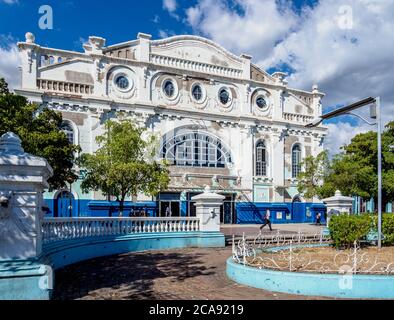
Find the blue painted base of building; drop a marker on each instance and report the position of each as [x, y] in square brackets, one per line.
[313, 284]
[245, 212]
[33, 280]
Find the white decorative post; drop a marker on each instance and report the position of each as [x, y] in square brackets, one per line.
[208, 210]
[338, 204]
[23, 178]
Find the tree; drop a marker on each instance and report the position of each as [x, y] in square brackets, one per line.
[39, 130]
[354, 171]
[125, 164]
[3, 87]
[314, 172]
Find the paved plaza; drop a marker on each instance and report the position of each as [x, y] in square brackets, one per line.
[184, 274]
[284, 229]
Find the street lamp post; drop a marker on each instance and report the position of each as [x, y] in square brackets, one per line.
[375, 114]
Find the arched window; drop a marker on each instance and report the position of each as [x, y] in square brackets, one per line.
[69, 131]
[44, 60]
[196, 149]
[261, 159]
[296, 160]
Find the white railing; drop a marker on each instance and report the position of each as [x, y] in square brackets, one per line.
[64, 86]
[297, 117]
[56, 229]
[195, 66]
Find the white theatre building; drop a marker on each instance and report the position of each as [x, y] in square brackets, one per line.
[223, 121]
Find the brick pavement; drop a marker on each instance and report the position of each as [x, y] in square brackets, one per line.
[185, 274]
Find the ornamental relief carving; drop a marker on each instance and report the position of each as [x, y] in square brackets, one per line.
[262, 104]
[122, 83]
[13, 218]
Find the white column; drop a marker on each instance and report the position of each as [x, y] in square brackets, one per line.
[144, 47]
[23, 178]
[278, 162]
[208, 210]
[29, 55]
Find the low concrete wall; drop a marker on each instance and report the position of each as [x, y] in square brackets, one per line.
[311, 284]
[65, 253]
[34, 279]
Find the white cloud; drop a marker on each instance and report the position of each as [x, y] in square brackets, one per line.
[163, 34]
[10, 1]
[9, 66]
[340, 134]
[254, 28]
[348, 64]
[170, 5]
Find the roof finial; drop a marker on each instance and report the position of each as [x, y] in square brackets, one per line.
[30, 38]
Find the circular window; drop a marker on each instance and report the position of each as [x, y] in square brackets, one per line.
[261, 102]
[224, 96]
[169, 88]
[122, 82]
[197, 92]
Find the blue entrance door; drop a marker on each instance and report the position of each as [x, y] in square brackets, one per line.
[298, 210]
[64, 205]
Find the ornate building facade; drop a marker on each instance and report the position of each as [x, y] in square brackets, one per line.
[223, 121]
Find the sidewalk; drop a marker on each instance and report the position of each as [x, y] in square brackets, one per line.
[285, 229]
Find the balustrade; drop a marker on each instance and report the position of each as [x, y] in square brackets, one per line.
[297, 117]
[56, 229]
[195, 66]
[62, 86]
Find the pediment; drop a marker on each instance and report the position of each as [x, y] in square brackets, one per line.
[257, 74]
[193, 48]
[76, 70]
[293, 104]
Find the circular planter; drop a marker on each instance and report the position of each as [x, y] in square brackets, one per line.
[313, 284]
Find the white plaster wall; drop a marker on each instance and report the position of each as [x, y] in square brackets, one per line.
[236, 124]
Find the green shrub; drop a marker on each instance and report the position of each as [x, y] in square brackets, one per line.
[344, 229]
[387, 227]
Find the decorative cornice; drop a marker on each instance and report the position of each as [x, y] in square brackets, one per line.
[173, 39]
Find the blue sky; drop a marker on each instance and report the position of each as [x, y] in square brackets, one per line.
[116, 20]
[305, 38]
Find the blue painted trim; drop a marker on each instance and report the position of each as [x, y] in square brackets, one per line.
[312, 284]
[25, 280]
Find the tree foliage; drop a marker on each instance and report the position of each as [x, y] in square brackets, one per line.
[39, 130]
[125, 164]
[3, 87]
[314, 172]
[354, 171]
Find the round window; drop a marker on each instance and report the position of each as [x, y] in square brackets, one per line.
[122, 82]
[224, 96]
[261, 102]
[197, 92]
[169, 88]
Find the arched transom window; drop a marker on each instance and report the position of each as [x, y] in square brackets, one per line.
[196, 149]
[261, 159]
[296, 160]
[69, 131]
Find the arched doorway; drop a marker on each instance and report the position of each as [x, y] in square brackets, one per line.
[297, 209]
[64, 203]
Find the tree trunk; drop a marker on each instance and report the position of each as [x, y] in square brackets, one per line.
[121, 206]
